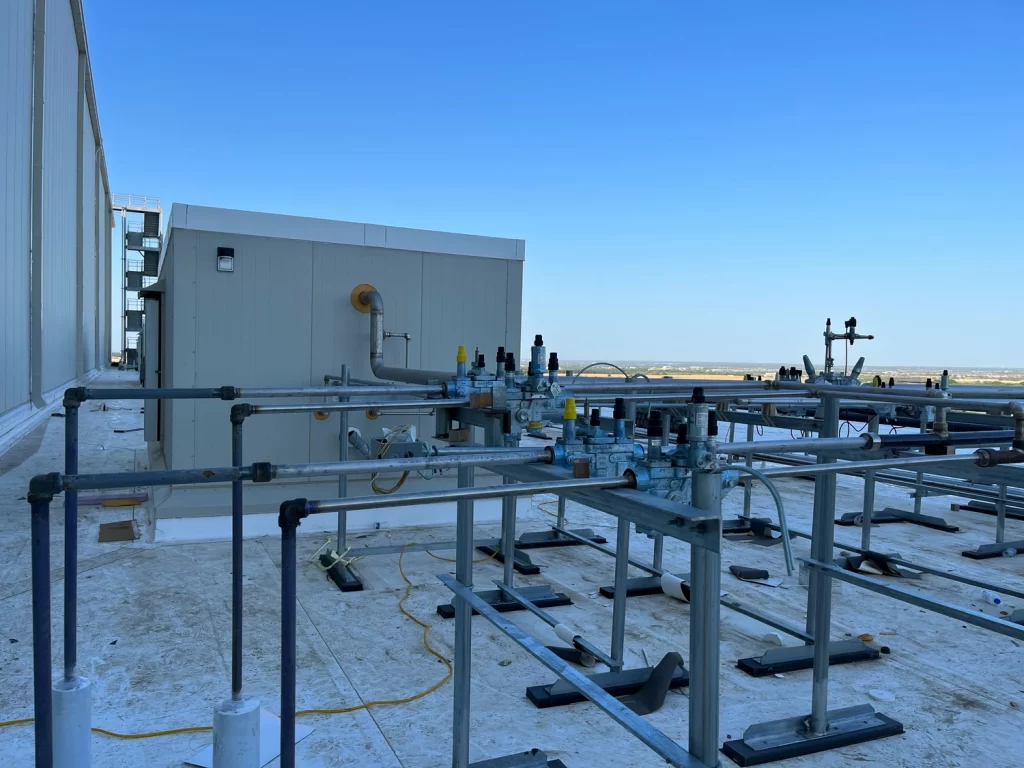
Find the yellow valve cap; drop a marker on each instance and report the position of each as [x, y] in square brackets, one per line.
[460, 356]
[536, 424]
[570, 409]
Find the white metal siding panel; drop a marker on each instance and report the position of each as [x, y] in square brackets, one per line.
[252, 328]
[341, 334]
[183, 347]
[514, 307]
[169, 413]
[89, 262]
[464, 302]
[60, 128]
[15, 198]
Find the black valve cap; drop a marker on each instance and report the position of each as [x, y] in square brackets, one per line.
[553, 361]
[620, 409]
[654, 425]
[892, 382]
[928, 383]
[682, 433]
[501, 356]
[481, 360]
[529, 368]
[510, 361]
[712, 424]
[595, 417]
[538, 340]
[794, 371]
[782, 370]
[945, 372]
[698, 395]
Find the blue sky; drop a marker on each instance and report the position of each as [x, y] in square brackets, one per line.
[694, 180]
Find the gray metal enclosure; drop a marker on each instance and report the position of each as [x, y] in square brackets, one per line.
[284, 318]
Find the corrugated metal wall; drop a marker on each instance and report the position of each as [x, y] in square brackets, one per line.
[15, 195]
[87, 354]
[75, 328]
[60, 179]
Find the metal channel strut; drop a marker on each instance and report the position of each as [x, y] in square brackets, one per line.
[665, 747]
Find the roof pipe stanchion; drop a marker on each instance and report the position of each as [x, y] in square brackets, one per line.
[39, 500]
[288, 519]
[72, 695]
[236, 721]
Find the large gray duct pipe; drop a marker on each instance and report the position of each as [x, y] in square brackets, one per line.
[381, 371]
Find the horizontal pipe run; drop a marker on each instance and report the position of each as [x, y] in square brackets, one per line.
[375, 390]
[677, 385]
[809, 445]
[661, 744]
[967, 615]
[132, 393]
[579, 642]
[377, 466]
[972, 438]
[875, 394]
[843, 467]
[464, 494]
[267, 472]
[379, 405]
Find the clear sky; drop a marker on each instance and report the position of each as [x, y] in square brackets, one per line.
[701, 181]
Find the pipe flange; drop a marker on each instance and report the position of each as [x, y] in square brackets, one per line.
[358, 303]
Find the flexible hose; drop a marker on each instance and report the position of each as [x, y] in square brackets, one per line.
[783, 527]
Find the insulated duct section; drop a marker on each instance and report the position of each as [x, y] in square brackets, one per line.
[372, 299]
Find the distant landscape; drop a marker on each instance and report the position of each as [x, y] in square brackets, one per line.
[653, 369]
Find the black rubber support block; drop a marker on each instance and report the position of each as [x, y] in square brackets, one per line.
[755, 668]
[638, 587]
[343, 576]
[542, 597]
[742, 755]
[522, 562]
[547, 539]
[624, 683]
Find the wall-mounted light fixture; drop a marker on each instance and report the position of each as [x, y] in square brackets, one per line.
[225, 259]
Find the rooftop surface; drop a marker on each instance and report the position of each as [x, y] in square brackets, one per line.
[154, 635]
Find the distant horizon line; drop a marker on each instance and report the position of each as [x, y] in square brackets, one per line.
[774, 366]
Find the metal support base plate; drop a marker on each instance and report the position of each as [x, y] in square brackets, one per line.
[890, 515]
[639, 587]
[532, 759]
[784, 739]
[522, 562]
[542, 596]
[792, 658]
[629, 683]
[974, 506]
[342, 575]
[543, 539]
[985, 551]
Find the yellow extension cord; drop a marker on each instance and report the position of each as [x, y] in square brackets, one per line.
[343, 710]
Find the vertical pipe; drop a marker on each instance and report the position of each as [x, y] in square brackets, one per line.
[237, 511]
[823, 537]
[869, 496]
[919, 487]
[748, 481]
[463, 625]
[560, 519]
[41, 658]
[288, 611]
[71, 411]
[1001, 516]
[705, 617]
[343, 456]
[508, 536]
[659, 551]
[619, 606]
